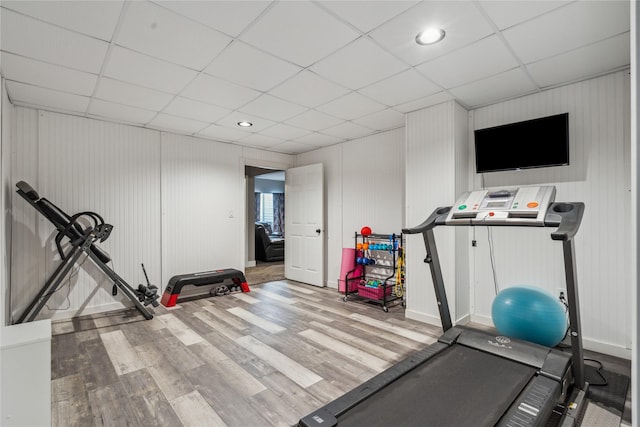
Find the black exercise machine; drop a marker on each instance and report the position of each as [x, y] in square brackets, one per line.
[471, 377]
[82, 231]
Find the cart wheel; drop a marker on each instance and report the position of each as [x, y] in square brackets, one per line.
[344, 299]
[386, 310]
[403, 304]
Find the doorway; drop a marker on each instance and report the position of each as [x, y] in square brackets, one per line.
[265, 223]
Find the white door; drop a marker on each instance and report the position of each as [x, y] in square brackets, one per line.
[304, 225]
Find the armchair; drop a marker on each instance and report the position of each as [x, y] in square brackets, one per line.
[268, 248]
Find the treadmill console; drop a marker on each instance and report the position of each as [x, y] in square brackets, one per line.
[524, 205]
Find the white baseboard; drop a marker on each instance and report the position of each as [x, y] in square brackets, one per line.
[421, 317]
[69, 314]
[250, 264]
[606, 348]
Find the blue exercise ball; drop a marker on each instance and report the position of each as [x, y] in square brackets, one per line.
[530, 314]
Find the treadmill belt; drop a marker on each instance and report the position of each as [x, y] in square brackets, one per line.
[459, 387]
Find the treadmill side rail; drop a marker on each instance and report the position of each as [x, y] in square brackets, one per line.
[534, 405]
[321, 417]
[556, 365]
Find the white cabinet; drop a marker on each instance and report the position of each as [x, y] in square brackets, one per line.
[25, 364]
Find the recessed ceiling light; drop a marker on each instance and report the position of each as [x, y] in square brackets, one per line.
[430, 36]
[245, 124]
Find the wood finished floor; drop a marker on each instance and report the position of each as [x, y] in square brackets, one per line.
[264, 358]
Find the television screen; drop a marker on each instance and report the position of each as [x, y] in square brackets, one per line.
[530, 144]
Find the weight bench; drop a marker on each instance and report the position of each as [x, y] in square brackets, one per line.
[82, 238]
[176, 283]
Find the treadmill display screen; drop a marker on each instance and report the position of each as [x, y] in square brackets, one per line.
[496, 204]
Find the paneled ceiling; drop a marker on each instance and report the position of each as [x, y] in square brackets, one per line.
[307, 74]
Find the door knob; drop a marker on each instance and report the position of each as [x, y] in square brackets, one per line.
[318, 230]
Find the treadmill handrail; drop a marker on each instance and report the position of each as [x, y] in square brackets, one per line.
[567, 217]
[438, 217]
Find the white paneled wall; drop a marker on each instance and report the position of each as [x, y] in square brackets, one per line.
[363, 186]
[599, 176]
[177, 205]
[27, 253]
[6, 137]
[85, 165]
[202, 206]
[373, 184]
[435, 155]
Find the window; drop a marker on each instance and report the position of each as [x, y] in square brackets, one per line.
[266, 207]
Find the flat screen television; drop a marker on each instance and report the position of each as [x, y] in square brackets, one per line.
[529, 144]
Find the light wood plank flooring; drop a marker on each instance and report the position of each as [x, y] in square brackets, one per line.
[263, 358]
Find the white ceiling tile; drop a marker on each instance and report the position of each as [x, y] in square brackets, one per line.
[461, 21]
[351, 106]
[427, 101]
[385, 119]
[401, 88]
[231, 121]
[272, 108]
[20, 93]
[161, 33]
[221, 133]
[247, 66]
[469, 63]
[284, 132]
[358, 64]
[487, 91]
[314, 120]
[290, 147]
[309, 89]
[348, 130]
[134, 67]
[367, 15]
[46, 75]
[93, 18]
[197, 110]
[575, 25]
[260, 141]
[591, 60]
[319, 139]
[299, 32]
[173, 123]
[508, 13]
[230, 17]
[35, 39]
[132, 95]
[213, 90]
[110, 111]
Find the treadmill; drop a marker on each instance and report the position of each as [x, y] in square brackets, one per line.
[471, 377]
